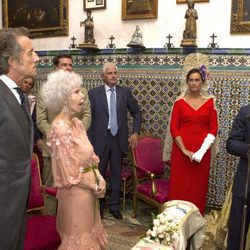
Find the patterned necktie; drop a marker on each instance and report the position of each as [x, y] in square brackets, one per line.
[113, 114]
[23, 103]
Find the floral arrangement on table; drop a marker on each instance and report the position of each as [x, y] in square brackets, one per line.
[165, 229]
[166, 225]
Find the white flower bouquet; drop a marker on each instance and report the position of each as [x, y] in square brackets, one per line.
[171, 228]
[165, 229]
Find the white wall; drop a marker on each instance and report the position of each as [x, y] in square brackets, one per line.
[214, 17]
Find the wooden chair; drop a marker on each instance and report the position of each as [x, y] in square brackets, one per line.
[150, 183]
[41, 231]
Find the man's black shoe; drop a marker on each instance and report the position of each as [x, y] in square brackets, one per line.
[116, 214]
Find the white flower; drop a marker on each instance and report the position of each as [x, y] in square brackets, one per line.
[153, 233]
[168, 238]
[149, 232]
[161, 236]
[157, 240]
[175, 235]
[162, 219]
[165, 229]
[156, 222]
[160, 229]
[172, 224]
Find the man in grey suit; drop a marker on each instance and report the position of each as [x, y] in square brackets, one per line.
[17, 61]
[109, 130]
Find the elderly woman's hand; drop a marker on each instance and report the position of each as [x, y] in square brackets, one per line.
[101, 188]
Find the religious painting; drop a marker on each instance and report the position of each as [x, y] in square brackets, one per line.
[139, 9]
[42, 18]
[195, 1]
[99, 2]
[240, 17]
[94, 4]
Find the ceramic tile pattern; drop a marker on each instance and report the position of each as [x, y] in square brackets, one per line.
[154, 76]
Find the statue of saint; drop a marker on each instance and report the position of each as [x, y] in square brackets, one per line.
[136, 40]
[89, 28]
[89, 40]
[137, 36]
[191, 16]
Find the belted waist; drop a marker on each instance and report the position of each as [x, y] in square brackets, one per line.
[89, 168]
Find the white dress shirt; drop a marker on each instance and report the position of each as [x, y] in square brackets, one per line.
[11, 85]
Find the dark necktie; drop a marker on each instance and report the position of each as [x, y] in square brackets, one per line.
[23, 103]
[113, 114]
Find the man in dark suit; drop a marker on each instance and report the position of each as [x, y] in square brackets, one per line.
[109, 130]
[238, 144]
[27, 86]
[17, 61]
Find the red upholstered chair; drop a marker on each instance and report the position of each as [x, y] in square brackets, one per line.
[41, 231]
[37, 151]
[150, 183]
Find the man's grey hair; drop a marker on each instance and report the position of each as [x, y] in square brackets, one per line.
[58, 87]
[107, 65]
[9, 46]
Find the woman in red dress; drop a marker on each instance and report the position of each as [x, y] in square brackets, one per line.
[193, 127]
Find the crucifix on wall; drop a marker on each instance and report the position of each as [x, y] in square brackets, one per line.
[213, 44]
[169, 44]
[111, 45]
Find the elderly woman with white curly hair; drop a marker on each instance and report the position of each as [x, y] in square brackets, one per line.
[74, 166]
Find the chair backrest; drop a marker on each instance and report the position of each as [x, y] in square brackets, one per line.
[148, 155]
[36, 201]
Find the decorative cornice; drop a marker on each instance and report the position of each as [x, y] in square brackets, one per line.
[181, 51]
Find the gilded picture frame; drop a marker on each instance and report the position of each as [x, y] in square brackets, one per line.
[94, 4]
[139, 9]
[42, 18]
[240, 17]
[196, 1]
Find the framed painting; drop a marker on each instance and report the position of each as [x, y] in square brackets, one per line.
[196, 1]
[240, 17]
[43, 18]
[94, 4]
[139, 9]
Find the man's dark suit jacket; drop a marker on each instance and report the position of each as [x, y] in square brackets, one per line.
[16, 141]
[100, 117]
[238, 144]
